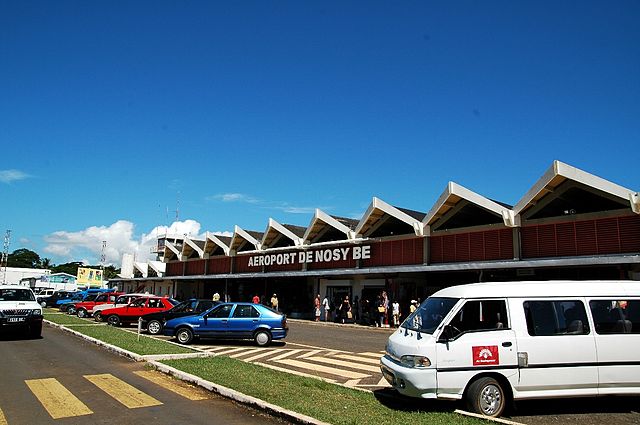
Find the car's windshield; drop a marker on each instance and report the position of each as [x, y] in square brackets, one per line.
[429, 315]
[17, 294]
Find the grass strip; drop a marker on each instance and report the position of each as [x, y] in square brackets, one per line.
[116, 336]
[129, 340]
[318, 399]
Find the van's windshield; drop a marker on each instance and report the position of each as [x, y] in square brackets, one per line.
[429, 315]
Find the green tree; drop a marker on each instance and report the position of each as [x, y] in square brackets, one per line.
[70, 268]
[24, 258]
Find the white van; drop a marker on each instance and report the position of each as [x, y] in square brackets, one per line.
[491, 343]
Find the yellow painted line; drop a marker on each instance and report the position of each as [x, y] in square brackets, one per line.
[178, 387]
[126, 394]
[336, 362]
[359, 359]
[323, 369]
[3, 420]
[56, 399]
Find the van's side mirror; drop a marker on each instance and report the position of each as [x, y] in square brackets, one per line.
[446, 335]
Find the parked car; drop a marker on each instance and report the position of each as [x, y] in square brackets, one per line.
[19, 310]
[85, 308]
[154, 322]
[137, 308]
[230, 321]
[69, 304]
[79, 296]
[52, 301]
[121, 301]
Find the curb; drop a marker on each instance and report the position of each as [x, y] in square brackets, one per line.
[215, 388]
[238, 396]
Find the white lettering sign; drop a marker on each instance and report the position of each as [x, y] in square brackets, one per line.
[319, 256]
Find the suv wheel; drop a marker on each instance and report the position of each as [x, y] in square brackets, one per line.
[82, 313]
[97, 316]
[71, 310]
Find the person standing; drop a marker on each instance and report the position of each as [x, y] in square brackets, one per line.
[345, 309]
[216, 297]
[274, 302]
[256, 299]
[326, 309]
[385, 303]
[395, 310]
[316, 307]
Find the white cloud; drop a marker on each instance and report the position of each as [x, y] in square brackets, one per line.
[120, 239]
[8, 176]
[234, 197]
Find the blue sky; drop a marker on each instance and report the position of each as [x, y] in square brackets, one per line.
[116, 113]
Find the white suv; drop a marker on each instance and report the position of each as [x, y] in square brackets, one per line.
[19, 310]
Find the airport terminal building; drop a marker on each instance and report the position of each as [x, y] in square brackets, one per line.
[570, 225]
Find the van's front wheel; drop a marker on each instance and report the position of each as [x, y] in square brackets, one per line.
[486, 397]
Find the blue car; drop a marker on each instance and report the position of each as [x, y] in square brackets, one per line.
[230, 321]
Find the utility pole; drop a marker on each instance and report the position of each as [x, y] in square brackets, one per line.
[5, 256]
[103, 258]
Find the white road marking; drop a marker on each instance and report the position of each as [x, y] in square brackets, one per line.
[336, 362]
[323, 369]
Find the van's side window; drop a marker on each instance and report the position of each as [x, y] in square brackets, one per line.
[481, 315]
[546, 318]
[616, 316]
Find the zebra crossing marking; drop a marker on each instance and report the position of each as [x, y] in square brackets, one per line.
[229, 351]
[359, 359]
[376, 355]
[244, 353]
[126, 394]
[296, 372]
[309, 354]
[287, 353]
[258, 356]
[336, 362]
[58, 401]
[323, 369]
[173, 385]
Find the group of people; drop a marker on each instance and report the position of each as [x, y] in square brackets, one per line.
[382, 312]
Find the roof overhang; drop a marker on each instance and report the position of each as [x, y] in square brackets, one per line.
[190, 246]
[158, 267]
[211, 242]
[559, 172]
[142, 268]
[170, 250]
[240, 236]
[320, 220]
[454, 193]
[274, 229]
[377, 210]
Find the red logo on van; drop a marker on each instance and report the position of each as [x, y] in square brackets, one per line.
[485, 355]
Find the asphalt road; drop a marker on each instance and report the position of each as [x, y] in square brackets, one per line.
[62, 379]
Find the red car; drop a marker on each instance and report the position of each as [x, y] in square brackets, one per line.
[137, 308]
[85, 308]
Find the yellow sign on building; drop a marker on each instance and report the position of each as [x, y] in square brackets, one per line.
[89, 277]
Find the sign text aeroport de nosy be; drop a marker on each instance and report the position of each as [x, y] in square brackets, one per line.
[320, 256]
